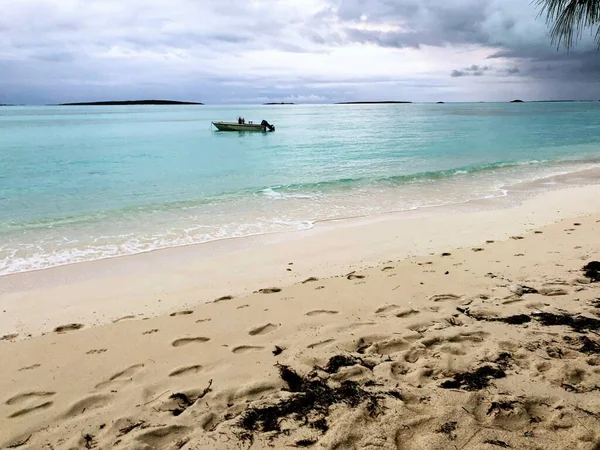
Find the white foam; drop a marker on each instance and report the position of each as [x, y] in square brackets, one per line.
[272, 194]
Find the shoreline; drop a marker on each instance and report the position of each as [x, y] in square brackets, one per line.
[579, 177]
[160, 281]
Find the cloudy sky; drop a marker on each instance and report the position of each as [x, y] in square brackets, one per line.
[305, 51]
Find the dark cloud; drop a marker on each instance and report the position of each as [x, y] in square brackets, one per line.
[473, 71]
[324, 50]
[511, 27]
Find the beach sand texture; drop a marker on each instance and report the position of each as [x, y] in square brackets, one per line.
[472, 348]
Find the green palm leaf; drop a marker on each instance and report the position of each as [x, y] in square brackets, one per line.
[569, 18]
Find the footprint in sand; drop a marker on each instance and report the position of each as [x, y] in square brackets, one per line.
[34, 366]
[163, 437]
[263, 329]
[489, 242]
[9, 337]
[243, 306]
[87, 404]
[225, 298]
[321, 312]
[469, 336]
[552, 292]
[247, 349]
[352, 276]
[444, 297]
[272, 290]
[193, 340]
[517, 238]
[388, 347]
[310, 280]
[320, 343]
[387, 268]
[120, 377]
[407, 313]
[68, 327]
[385, 309]
[25, 411]
[181, 313]
[124, 318]
[355, 325]
[188, 370]
[538, 232]
[95, 351]
[28, 396]
[477, 249]
[155, 330]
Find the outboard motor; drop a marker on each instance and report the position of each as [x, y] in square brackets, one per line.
[270, 127]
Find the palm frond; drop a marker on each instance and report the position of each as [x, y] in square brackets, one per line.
[569, 18]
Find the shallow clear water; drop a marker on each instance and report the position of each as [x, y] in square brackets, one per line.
[82, 183]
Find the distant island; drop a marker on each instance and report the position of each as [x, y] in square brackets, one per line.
[516, 101]
[440, 103]
[369, 103]
[131, 102]
[281, 103]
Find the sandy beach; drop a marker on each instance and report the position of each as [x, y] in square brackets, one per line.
[469, 328]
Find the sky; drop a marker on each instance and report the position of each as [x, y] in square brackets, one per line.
[301, 51]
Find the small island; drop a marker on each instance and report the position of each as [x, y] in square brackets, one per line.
[131, 102]
[280, 103]
[440, 103]
[517, 101]
[385, 102]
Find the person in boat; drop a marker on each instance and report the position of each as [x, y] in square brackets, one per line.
[239, 120]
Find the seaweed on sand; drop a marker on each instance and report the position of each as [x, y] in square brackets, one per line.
[474, 381]
[580, 324]
[592, 271]
[481, 377]
[309, 405]
[518, 319]
[337, 362]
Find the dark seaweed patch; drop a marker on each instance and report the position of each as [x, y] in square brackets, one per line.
[592, 271]
[589, 346]
[517, 319]
[501, 406]
[474, 381]
[311, 402]
[337, 362]
[577, 323]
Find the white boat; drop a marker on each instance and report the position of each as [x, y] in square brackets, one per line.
[237, 126]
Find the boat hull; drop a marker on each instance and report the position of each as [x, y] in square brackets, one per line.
[233, 126]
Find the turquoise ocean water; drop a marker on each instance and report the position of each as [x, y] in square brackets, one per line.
[84, 183]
